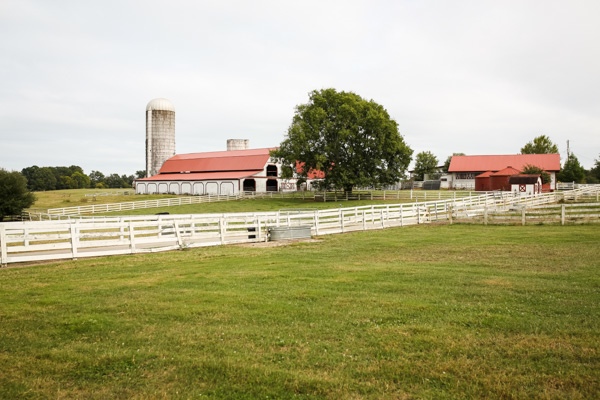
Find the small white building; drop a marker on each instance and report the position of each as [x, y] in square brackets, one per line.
[221, 172]
[525, 184]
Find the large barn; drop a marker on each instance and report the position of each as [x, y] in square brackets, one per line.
[220, 172]
[463, 169]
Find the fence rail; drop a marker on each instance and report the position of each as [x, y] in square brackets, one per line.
[28, 241]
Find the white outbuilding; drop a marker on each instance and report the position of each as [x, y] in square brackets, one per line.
[524, 184]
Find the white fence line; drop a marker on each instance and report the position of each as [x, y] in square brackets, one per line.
[557, 214]
[71, 239]
[56, 213]
[78, 211]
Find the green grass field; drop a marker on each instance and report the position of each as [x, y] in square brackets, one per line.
[83, 197]
[440, 312]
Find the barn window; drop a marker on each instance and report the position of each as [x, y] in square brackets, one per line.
[249, 185]
[271, 170]
[271, 185]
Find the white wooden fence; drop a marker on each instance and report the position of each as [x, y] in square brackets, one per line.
[100, 236]
[60, 213]
[553, 214]
[77, 211]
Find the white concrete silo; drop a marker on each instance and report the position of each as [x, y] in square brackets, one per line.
[237, 144]
[160, 134]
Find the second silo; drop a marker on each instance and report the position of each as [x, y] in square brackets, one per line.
[160, 134]
[237, 144]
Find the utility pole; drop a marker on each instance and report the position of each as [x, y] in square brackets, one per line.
[568, 151]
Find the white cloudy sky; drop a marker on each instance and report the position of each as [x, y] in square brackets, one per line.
[478, 77]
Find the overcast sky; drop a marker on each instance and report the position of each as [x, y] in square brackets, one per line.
[477, 77]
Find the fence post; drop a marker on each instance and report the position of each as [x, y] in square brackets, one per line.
[121, 228]
[562, 215]
[523, 216]
[3, 250]
[317, 222]
[74, 239]
[177, 233]
[401, 215]
[131, 238]
[485, 214]
[258, 227]
[222, 229]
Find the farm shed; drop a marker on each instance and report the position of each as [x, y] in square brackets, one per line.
[526, 184]
[482, 182]
[464, 169]
[500, 180]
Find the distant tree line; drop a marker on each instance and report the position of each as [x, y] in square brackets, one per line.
[73, 177]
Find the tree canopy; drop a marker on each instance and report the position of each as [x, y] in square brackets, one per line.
[14, 195]
[594, 173]
[425, 163]
[535, 170]
[540, 145]
[73, 177]
[572, 171]
[352, 140]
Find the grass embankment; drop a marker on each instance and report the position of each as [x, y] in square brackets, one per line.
[422, 312]
[84, 197]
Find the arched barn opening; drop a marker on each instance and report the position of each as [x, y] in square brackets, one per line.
[249, 185]
[271, 185]
[271, 170]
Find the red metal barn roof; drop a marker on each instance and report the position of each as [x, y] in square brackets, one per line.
[547, 162]
[217, 161]
[202, 176]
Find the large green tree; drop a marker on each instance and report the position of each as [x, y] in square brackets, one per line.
[535, 170]
[540, 145]
[572, 171]
[594, 173]
[425, 163]
[14, 195]
[352, 140]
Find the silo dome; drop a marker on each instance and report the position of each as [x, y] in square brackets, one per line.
[160, 104]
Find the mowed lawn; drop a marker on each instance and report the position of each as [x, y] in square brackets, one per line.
[453, 311]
